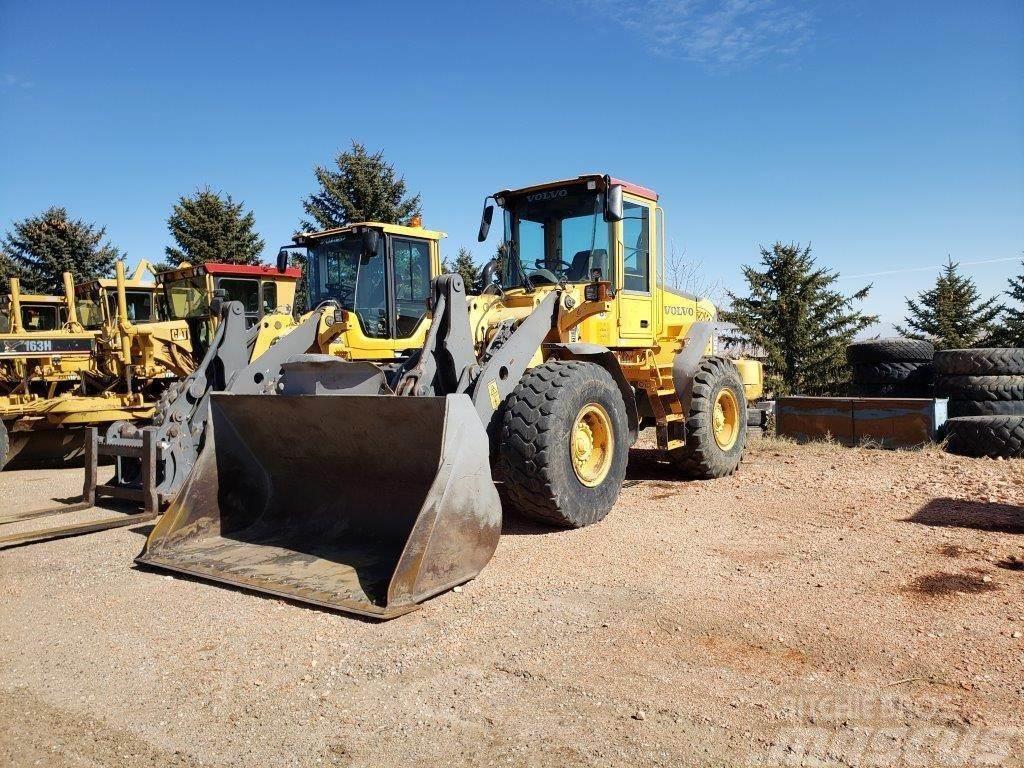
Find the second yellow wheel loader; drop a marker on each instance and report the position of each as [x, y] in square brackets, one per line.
[368, 487]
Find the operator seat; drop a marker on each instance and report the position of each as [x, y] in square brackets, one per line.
[584, 261]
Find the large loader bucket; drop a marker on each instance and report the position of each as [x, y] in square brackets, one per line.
[364, 503]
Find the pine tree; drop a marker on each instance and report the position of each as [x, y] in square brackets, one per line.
[464, 266]
[41, 248]
[364, 188]
[952, 314]
[209, 227]
[800, 321]
[1010, 332]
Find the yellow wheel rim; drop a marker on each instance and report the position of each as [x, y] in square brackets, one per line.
[726, 419]
[591, 444]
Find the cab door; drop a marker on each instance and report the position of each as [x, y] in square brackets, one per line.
[410, 286]
[635, 273]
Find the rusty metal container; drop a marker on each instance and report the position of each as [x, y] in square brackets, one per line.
[892, 422]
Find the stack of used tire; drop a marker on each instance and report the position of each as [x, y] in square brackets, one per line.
[985, 388]
[891, 367]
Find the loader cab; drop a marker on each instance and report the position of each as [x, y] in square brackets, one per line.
[378, 276]
[576, 231]
[186, 293]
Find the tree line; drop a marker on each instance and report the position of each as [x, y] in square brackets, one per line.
[205, 226]
[794, 313]
[791, 309]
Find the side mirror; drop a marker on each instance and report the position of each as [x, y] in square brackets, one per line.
[485, 223]
[371, 240]
[613, 203]
[282, 260]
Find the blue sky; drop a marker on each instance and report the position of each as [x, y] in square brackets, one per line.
[887, 134]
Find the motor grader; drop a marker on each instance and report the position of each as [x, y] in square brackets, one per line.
[45, 353]
[368, 487]
[146, 336]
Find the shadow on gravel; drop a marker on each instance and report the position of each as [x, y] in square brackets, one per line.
[645, 464]
[938, 584]
[979, 515]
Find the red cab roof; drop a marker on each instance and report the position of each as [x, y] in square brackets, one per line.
[250, 270]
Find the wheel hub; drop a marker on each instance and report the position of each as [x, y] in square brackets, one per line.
[591, 445]
[725, 419]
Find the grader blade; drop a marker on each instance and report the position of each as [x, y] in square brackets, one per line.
[363, 503]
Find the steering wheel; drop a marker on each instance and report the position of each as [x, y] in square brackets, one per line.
[544, 274]
[562, 265]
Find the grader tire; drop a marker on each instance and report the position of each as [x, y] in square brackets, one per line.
[703, 457]
[538, 453]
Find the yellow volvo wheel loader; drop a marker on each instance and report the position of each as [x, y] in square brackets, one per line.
[368, 487]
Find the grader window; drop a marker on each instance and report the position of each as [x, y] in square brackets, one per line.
[39, 317]
[90, 311]
[269, 297]
[139, 303]
[245, 291]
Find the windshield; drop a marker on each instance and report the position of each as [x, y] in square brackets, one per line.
[90, 311]
[186, 298]
[139, 305]
[339, 271]
[553, 235]
[40, 317]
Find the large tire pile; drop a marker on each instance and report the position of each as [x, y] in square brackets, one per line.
[985, 388]
[891, 368]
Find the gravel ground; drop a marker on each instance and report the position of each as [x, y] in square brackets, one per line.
[824, 606]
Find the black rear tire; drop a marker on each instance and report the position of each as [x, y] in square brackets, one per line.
[890, 351]
[536, 454]
[991, 436]
[702, 457]
[996, 361]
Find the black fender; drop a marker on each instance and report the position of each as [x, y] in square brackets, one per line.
[687, 361]
[595, 353]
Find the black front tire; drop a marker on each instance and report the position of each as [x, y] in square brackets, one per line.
[535, 451]
[702, 457]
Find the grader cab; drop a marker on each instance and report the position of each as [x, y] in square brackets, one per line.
[367, 486]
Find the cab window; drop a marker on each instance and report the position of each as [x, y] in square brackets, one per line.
[245, 291]
[39, 317]
[269, 298]
[412, 283]
[636, 256]
[139, 305]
